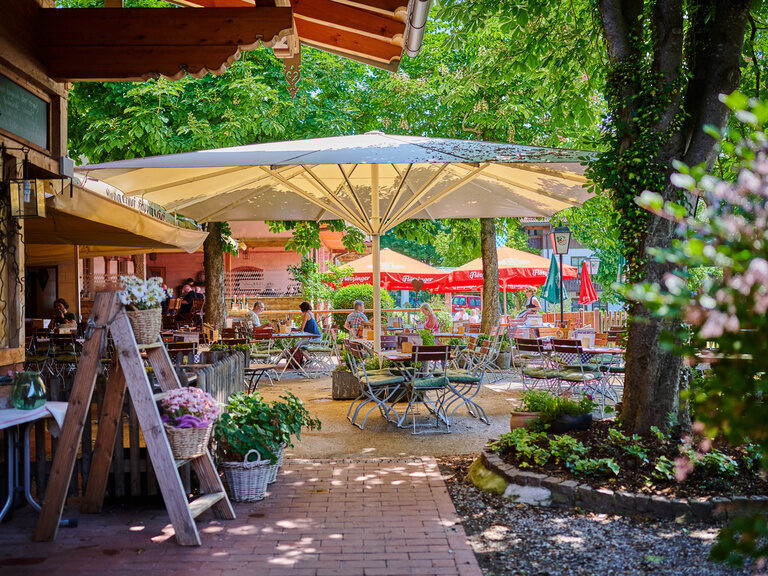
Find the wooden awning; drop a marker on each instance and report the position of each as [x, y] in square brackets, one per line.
[105, 44]
[371, 31]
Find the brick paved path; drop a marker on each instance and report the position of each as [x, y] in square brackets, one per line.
[335, 518]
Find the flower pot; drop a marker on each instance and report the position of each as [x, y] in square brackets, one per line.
[522, 419]
[344, 385]
[146, 324]
[247, 481]
[504, 359]
[571, 423]
[188, 443]
[28, 391]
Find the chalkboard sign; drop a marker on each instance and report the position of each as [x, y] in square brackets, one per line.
[22, 113]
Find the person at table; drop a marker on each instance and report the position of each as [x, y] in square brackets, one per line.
[252, 318]
[61, 314]
[461, 315]
[166, 298]
[474, 316]
[198, 293]
[187, 294]
[430, 318]
[357, 320]
[532, 304]
[308, 322]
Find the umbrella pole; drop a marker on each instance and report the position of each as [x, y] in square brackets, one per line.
[376, 246]
[505, 300]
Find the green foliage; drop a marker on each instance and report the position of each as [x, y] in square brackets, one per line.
[306, 234]
[535, 401]
[529, 449]
[344, 297]
[553, 407]
[318, 286]
[744, 537]
[427, 338]
[719, 463]
[250, 423]
[664, 469]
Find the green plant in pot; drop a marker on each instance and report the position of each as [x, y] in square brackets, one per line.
[533, 403]
[561, 415]
[504, 358]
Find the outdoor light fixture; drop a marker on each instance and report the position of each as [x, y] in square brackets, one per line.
[27, 198]
[561, 241]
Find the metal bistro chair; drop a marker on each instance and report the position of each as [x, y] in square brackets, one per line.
[321, 353]
[466, 356]
[535, 367]
[572, 372]
[262, 363]
[428, 378]
[465, 384]
[378, 387]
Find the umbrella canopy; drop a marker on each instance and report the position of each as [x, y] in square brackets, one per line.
[517, 270]
[398, 272]
[587, 293]
[551, 289]
[373, 181]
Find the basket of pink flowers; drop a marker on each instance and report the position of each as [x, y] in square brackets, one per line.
[188, 417]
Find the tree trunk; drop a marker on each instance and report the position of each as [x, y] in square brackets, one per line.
[213, 262]
[711, 50]
[491, 312]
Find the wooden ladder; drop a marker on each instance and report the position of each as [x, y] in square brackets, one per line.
[127, 371]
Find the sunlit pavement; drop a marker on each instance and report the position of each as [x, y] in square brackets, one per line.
[335, 517]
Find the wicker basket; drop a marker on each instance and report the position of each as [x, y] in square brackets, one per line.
[275, 468]
[247, 480]
[188, 443]
[146, 324]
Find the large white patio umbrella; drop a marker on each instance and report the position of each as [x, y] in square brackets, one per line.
[373, 181]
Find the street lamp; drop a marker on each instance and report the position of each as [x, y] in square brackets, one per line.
[561, 241]
[27, 194]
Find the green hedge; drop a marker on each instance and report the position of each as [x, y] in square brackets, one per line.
[344, 297]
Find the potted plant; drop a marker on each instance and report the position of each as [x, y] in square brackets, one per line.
[246, 448]
[504, 357]
[291, 416]
[188, 415]
[534, 402]
[564, 415]
[142, 299]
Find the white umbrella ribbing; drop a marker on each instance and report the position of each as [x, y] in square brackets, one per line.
[373, 181]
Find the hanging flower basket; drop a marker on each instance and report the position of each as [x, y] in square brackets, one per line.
[247, 481]
[146, 324]
[188, 417]
[142, 300]
[187, 443]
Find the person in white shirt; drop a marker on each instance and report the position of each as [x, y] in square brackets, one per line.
[461, 316]
[252, 318]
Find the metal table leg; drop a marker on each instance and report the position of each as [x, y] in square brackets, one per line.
[12, 480]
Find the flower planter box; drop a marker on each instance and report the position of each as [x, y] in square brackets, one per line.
[344, 386]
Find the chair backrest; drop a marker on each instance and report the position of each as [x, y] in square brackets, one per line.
[474, 328]
[388, 342]
[181, 346]
[229, 333]
[472, 343]
[566, 347]
[232, 341]
[547, 332]
[356, 350]
[436, 353]
[197, 305]
[601, 339]
[528, 345]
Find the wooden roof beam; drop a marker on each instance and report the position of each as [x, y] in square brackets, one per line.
[350, 19]
[344, 42]
[140, 43]
[398, 9]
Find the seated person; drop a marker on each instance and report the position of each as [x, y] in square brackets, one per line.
[187, 294]
[198, 293]
[430, 319]
[61, 314]
[357, 320]
[252, 318]
[461, 316]
[166, 298]
[532, 304]
[308, 323]
[474, 316]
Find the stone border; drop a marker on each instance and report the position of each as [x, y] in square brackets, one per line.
[571, 493]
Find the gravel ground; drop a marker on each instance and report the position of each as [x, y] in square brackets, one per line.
[516, 539]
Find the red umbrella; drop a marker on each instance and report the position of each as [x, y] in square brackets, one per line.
[587, 293]
[398, 272]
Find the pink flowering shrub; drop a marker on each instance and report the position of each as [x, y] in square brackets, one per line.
[726, 317]
[189, 408]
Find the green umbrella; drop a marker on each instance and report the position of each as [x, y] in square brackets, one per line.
[622, 265]
[551, 289]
